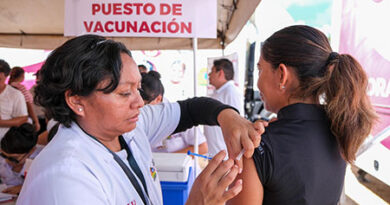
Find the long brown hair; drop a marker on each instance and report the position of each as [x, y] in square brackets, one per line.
[15, 73]
[338, 79]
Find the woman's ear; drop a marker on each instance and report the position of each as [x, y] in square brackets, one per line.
[157, 100]
[284, 74]
[74, 102]
[221, 74]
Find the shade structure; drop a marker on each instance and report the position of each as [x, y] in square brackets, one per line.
[39, 24]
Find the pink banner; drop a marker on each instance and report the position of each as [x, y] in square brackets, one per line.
[29, 74]
[364, 35]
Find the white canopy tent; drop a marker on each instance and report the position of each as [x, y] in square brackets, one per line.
[39, 24]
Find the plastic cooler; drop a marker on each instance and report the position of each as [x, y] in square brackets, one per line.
[176, 176]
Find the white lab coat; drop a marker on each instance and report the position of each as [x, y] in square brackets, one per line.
[75, 169]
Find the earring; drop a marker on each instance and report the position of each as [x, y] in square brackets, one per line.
[283, 87]
[80, 109]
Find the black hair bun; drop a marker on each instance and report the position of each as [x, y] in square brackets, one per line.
[26, 128]
[154, 74]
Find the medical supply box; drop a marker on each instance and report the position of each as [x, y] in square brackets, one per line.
[176, 175]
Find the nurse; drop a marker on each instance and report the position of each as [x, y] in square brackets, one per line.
[101, 152]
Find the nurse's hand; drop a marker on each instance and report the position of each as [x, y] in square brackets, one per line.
[239, 133]
[210, 186]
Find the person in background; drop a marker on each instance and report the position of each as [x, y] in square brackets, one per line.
[39, 110]
[15, 79]
[13, 109]
[101, 152]
[324, 115]
[221, 77]
[51, 129]
[142, 68]
[152, 92]
[17, 145]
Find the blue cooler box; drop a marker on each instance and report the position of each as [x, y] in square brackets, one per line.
[176, 176]
[176, 193]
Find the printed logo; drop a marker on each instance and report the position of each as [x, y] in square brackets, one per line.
[153, 173]
[261, 147]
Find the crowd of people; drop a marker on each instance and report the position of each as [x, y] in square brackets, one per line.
[22, 134]
[104, 116]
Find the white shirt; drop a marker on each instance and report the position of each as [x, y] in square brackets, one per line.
[75, 169]
[12, 104]
[228, 94]
[179, 141]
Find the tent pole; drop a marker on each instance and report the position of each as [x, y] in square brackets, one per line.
[196, 146]
[195, 50]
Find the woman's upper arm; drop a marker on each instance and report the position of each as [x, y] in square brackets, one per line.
[252, 189]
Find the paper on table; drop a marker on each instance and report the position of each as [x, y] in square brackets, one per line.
[2, 187]
[4, 196]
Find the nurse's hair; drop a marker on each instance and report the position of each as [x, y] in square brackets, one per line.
[151, 86]
[336, 78]
[79, 65]
[19, 140]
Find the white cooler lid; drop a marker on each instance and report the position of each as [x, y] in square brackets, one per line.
[171, 162]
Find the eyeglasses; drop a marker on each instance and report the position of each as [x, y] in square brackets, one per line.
[11, 158]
